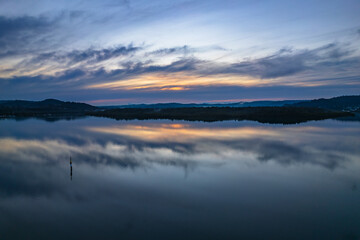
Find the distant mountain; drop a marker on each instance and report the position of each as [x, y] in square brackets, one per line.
[48, 106]
[343, 103]
[270, 103]
[190, 105]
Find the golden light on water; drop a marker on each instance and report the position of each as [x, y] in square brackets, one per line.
[183, 132]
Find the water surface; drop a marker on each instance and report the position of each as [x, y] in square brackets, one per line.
[179, 180]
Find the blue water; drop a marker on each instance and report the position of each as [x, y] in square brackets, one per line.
[179, 180]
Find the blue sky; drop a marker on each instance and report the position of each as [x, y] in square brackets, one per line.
[119, 52]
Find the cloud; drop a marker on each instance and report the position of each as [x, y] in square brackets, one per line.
[332, 64]
[93, 55]
[174, 50]
[25, 35]
[259, 143]
[20, 33]
[287, 154]
[184, 50]
[285, 62]
[90, 55]
[183, 145]
[12, 26]
[130, 69]
[278, 65]
[71, 74]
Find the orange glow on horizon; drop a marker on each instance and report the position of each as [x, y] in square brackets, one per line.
[173, 89]
[177, 82]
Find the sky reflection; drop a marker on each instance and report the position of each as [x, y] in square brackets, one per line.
[135, 179]
[140, 144]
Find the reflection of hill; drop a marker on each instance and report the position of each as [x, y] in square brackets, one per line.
[49, 117]
[285, 115]
[355, 118]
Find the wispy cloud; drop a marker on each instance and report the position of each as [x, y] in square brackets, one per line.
[271, 69]
[87, 56]
[25, 35]
[16, 31]
[287, 62]
[174, 50]
[287, 67]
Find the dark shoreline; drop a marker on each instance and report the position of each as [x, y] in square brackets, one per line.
[276, 115]
[284, 115]
[53, 110]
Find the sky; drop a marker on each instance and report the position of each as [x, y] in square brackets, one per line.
[108, 52]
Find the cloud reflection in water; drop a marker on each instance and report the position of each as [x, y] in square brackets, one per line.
[130, 175]
[186, 145]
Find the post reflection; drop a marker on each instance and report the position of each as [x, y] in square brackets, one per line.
[70, 169]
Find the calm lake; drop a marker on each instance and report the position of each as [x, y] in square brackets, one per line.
[179, 180]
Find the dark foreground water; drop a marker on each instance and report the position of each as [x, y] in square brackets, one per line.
[179, 180]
